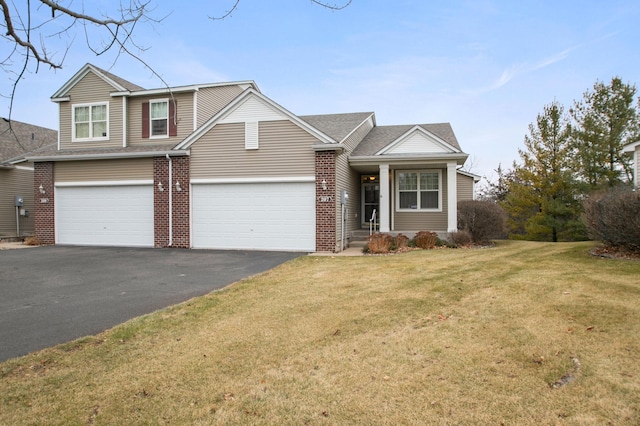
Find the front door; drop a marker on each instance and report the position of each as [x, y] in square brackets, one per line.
[370, 199]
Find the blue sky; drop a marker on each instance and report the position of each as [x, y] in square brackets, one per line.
[488, 67]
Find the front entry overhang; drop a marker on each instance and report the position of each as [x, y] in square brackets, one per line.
[384, 165]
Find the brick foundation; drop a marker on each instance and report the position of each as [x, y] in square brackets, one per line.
[326, 207]
[44, 203]
[180, 202]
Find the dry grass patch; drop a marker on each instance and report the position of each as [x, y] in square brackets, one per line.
[427, 337]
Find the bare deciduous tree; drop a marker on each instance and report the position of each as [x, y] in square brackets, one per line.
[30, 27]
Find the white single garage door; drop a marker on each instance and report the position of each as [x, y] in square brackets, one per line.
[105, 215]
[254, 216]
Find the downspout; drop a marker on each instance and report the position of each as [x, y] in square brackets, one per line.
[170, 202]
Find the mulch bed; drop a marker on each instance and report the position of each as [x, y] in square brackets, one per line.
[615, 253]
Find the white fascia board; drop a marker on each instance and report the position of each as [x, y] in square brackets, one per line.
[423, 131]
[104, 183]
[185, 89]
[631, 147]
[328, 147]
[274, 179]
[110, 156]
[460, 158]
[209, 124]
[371, 117]
[475, 177]
[62, 99]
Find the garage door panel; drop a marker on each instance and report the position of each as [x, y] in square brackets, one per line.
[264, 216]
[105, 215]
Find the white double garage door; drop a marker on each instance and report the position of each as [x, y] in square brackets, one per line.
[251, 216]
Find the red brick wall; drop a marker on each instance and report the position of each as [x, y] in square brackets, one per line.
[180, 202]
[44, 203]
[326, 207]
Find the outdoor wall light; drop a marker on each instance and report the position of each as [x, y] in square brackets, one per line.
[178, 187]
[42, 191]
[324, 185]
[160, 187]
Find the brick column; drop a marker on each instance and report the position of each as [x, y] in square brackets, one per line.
[44, 203]
[326, 201]
[181, 202]
[161, 202]
[179, 205]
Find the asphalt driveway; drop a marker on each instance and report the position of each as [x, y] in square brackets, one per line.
[51, 295]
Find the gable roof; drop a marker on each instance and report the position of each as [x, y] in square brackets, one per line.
[18, 139]
[381, 137]
[337, 126]
[119, 84]
[276, 111]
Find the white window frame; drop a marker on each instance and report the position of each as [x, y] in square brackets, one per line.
[158, 101]
[74, 137]
[418, 208]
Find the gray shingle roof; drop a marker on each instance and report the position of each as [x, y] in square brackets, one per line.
[18, 138]
[53, 151]
[336, 126]
[121, 81]
[381, 136]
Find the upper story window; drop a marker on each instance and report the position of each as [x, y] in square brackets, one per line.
[159, 118]
[91, 122]
[419, 190]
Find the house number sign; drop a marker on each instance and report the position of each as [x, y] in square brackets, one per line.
[44, 200]
[325, 198]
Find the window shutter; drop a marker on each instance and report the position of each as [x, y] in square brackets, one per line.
[173, 121]
[145, 120]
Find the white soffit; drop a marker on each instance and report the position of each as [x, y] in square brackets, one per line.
[253, 109]
[418, 141]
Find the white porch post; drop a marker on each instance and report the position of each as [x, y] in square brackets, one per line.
[385, 196]
[452, 198]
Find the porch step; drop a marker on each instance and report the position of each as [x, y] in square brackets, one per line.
[359, 235]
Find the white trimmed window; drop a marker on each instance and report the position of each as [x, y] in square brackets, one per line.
[159, 118]
[91, 122]
[419, 190]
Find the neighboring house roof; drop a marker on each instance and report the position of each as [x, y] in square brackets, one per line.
[18, 139]
[631, 147]
[337, 126]
[382, 136]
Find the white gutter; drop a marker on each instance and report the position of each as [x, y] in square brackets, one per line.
[111, 156]
[170, 201]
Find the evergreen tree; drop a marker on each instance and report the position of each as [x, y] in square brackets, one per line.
[543, 202]
[605, 121]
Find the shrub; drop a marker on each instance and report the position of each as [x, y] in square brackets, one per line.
[461, 238]
[31, 241]
[425, 239]
[401, 242]
[380, 243]
[482, 220]
[612, 217]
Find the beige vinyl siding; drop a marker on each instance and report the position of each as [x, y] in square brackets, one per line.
[90, 90]
[16, 182]
[465, 187]
[349, 179]
[284, 150]
[419, 221]
[184, 115]
[637, 166]
[212, 99]
[104, 170]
